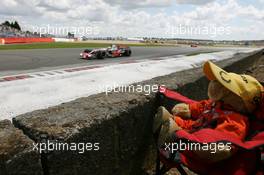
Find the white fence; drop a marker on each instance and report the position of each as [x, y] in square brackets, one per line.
[63, 40]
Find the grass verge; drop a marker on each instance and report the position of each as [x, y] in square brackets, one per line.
[64, 45]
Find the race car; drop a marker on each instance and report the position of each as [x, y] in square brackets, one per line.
[93, 54]
[110, 52]
[194, 45]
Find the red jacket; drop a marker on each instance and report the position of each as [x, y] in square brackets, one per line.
[206, 114]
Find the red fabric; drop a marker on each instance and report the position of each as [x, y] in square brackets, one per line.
[25, 40]
[211, 136]
[198, 108]
[242, 163]
[175, 96]
[226, 121]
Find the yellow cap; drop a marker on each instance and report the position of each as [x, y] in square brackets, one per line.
[245, 86]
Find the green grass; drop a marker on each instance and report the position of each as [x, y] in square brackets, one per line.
[64, 45]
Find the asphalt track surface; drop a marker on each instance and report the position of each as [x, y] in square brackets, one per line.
[17, 61]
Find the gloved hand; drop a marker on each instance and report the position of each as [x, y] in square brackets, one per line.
[182, 110]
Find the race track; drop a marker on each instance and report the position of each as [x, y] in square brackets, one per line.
[21, 61]
[27, 88]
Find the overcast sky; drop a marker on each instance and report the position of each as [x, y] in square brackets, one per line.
[201, 19]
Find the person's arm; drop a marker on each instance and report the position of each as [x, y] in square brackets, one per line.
[190, 111]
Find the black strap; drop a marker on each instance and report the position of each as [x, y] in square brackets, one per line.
[158, 163]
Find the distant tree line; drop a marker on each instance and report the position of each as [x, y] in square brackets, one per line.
[14, 25]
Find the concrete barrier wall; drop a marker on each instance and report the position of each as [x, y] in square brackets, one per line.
[16, 154]
[120, 122]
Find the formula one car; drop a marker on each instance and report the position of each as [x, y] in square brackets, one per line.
[110, 52]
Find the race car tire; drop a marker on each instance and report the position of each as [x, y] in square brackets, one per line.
[99, 55]
[128, 53]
